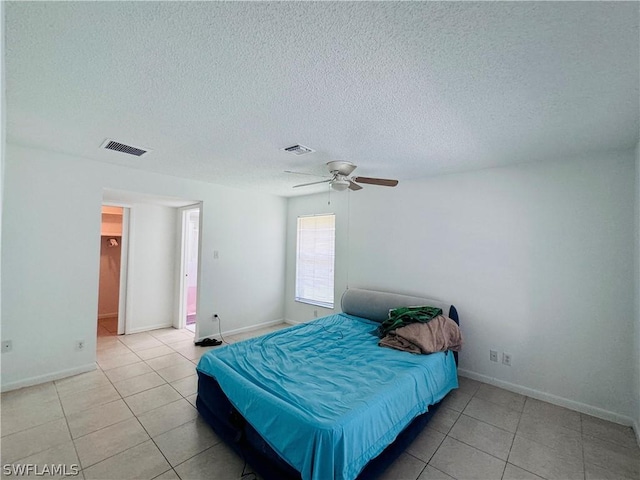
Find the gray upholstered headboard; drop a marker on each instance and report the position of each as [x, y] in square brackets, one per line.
[376, 305]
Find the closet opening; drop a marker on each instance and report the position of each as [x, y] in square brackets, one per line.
[112, 283]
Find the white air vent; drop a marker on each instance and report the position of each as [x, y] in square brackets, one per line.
[121, 147]
[298, 149]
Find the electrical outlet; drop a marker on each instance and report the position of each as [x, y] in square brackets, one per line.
[80, 345]
[493, 355]
[315, 313]
[7, 346]
[216, 255]
[506, 359]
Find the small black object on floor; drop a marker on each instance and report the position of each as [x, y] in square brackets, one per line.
[208, 342]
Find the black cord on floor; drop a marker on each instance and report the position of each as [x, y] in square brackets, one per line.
[220, 329]
[247, 474]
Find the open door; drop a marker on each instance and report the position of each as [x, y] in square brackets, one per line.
[189, 268]
[114, 238]
[124, 269]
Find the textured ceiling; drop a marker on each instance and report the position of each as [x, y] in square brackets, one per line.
[403, 90]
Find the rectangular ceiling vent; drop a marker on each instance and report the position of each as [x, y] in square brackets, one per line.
[298, 149]
[121, 147]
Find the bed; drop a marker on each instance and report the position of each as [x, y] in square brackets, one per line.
[321, 400]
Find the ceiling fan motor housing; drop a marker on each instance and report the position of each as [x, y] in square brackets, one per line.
[341, 167]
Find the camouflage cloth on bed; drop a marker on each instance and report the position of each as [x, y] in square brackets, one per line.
[400, 317]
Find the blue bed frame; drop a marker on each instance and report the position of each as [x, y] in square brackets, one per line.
[216, 409]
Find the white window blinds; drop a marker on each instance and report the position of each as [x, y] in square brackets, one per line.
[315, 260]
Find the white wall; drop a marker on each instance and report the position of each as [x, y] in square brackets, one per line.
[536, 257]
[152, 282]
[636, 381]
[50, 292]
[296, 312]
[3, 138]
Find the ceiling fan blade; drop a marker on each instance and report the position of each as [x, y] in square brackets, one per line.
[384, 182]
[313, 183]
[354, 186]
[305, 173]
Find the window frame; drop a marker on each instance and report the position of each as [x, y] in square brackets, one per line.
[326, 301]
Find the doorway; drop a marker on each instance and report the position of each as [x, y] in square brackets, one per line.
[189, 267]
[110, 270]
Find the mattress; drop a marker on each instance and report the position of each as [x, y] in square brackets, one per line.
[324, 395]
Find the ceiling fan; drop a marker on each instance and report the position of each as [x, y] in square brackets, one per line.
[340, 179]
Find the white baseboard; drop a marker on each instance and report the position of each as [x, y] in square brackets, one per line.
[28, 382]
[295, 322]
[250, 328]
[107, 315]
[149, 327]
[550, 398]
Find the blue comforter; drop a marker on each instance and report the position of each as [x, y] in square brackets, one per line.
[324, 395]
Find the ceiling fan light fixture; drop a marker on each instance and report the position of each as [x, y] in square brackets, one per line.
[340, 184]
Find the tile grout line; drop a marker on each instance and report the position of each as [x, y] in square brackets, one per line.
[134, 416]
[506, 462]
[514, 438]
[143, 428]
[476, 448]
[471, 446]
[147, 432]
[121, 398]
[487, 423]
[117, 453]
[183, 396]
[513, 441]
[515, 434]
[434, 452]
[66, 421]
[423, 468]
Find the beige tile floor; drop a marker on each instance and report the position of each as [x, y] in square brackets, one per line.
[134, 417]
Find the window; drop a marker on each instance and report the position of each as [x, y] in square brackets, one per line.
[315, 260]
